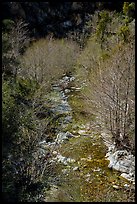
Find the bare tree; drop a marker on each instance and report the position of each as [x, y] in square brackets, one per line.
[47, 59]
[114, 96]
[18, 39]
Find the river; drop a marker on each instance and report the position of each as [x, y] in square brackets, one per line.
[79, 170]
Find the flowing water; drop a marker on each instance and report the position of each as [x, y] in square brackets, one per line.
[80, 171]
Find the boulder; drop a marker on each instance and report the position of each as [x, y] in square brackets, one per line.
[82, 132]
[67, 90]
[76, 168]
[64, 160]
[61, 159]
[62, 136]
[128, 177]
[54, 152]
[70, 160]
[122, 161]
[115, 187]
[126, 185]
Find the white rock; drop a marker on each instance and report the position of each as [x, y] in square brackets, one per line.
[64, 171]
[83, 159]
[87, 175]
[71, 148]
[107, 154]
[127, 176]
[126, 185]
[89, 157]
[122, 161]
[98, 169]
[54, 152]
[120, 167]
[42, 142]
[115, 186]
[70, 160]
[111, 148]
[63, 160]
[131, 174]
[63, 136]
[68, 134]
[67, 90]
[81, 132]
[76, 168]
[77, 88]
[72, 78]
[87, 179]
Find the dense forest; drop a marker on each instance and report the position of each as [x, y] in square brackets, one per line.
[58, 18]
[92, 44]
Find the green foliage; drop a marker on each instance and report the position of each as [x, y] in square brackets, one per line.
[19, 137]
[5, 43]
[9, 112]
[7, 25]
[124, 30]
[7, 58]
[124, 33]
[128, 8]
[26, 87]
[104, 19]
[15, 96]
[125, 8]
[105, 56]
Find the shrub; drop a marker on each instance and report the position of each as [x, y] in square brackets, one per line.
[22, 164]
[124, 33]
[47, 60]
[104, 19]
[9, 113]
[14, 40]
[129, 9]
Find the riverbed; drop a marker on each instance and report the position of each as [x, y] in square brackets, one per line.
[80, 170]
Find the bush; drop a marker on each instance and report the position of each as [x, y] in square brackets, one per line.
[46, 60]
[124, 33]
[15, 39]
[22, 164]
[9, 113]
[104, 19]
[129, 10]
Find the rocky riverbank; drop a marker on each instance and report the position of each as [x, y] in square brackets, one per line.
[120, 160]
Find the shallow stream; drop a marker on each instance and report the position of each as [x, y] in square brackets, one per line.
[80, 171]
